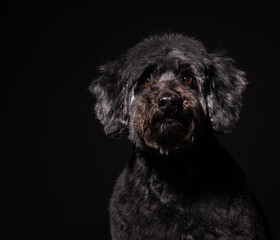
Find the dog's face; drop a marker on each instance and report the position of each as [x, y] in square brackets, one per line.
[165, 91]
[167, 108]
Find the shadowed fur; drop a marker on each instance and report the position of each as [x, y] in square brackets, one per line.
[171, 96]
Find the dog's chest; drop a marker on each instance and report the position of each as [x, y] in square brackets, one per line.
[144, 216]
[150, 210]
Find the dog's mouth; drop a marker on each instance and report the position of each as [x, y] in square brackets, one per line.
[172, 128]
[169, 123]
[172, 121]
[168, 133]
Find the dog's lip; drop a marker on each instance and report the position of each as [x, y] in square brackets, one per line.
[169, 120]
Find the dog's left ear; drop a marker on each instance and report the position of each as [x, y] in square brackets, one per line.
[224, 99]
[111, 93]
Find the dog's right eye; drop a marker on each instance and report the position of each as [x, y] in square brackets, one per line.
[148, 80]
[188, 79]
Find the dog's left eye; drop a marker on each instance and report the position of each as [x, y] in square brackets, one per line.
[188, 79]
[148, 80]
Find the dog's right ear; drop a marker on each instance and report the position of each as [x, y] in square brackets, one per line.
[111, 94]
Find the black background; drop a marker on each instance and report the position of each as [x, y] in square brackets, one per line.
[57, 167]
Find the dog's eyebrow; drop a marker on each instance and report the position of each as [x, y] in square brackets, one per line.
[148, 70]
[185, 66]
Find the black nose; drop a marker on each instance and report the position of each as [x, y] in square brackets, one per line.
[168, 102]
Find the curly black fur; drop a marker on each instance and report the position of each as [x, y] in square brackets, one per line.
[171, 95]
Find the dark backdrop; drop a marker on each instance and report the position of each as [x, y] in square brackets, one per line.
[57, 166]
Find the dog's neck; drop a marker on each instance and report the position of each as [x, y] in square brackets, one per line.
[206, 147]
[203, 166]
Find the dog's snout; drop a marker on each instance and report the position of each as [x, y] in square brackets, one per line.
[168, 101]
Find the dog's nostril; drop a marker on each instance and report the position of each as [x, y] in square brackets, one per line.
[175, 102]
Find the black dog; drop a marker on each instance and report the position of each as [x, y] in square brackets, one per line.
[171, 95]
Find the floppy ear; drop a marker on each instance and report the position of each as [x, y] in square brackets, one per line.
[111, 94]
[226, 86]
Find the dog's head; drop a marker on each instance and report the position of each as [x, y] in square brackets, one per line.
[166, 90]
